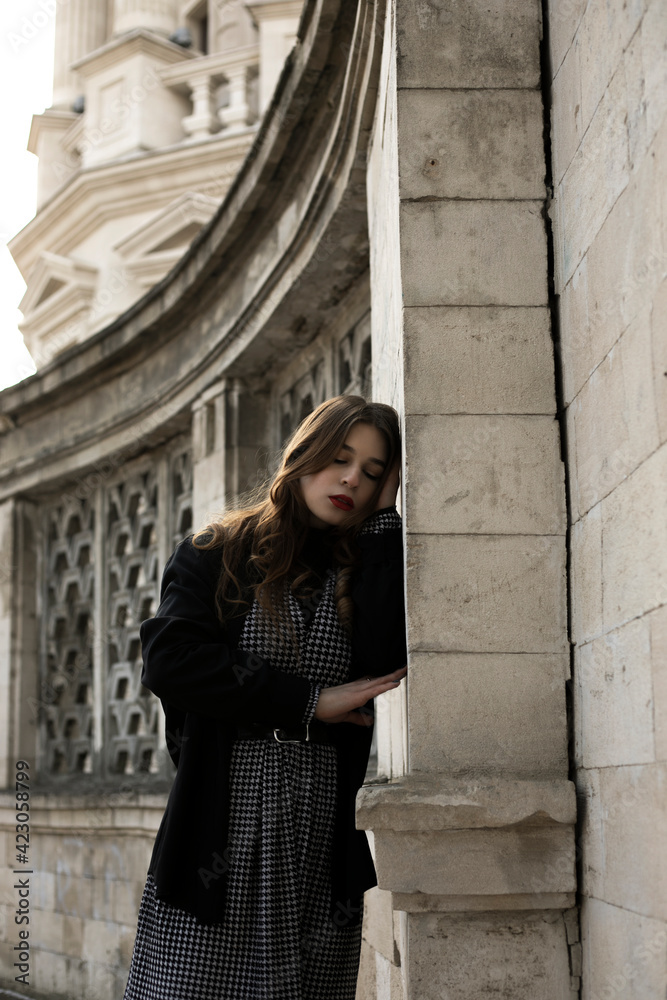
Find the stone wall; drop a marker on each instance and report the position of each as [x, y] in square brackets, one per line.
[88, 863]
[609, 138]
[473, 829]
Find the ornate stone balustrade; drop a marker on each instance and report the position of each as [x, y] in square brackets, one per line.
[204, 81]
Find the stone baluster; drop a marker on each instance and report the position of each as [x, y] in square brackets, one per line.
[236, 114]
[203, 120]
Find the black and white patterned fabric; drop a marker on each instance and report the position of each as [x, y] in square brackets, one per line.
[279, 939]
[384, 520]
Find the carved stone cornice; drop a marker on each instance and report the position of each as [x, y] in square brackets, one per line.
[291, 230]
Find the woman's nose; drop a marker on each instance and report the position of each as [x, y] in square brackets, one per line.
[351, 477]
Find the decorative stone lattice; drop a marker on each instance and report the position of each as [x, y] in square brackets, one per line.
[132, 581]
[66, 695]
[181, 493]
[354, 361]
[134, 572]
[352, 376]
[304, 396]
[136, 518]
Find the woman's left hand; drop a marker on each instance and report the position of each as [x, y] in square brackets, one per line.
[387, 497]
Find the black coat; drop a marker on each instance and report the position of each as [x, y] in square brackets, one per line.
[207, 686]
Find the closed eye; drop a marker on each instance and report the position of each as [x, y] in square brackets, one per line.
[343, 461]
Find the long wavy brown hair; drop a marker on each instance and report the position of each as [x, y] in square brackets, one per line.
[262, 543]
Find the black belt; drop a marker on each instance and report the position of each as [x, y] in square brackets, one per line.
[307, 732]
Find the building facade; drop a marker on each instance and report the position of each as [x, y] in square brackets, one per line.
[455, 208]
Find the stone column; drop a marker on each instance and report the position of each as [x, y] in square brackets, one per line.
[7, 570]
[208, 465]
[81, 27]
[156, 15]
[473, 834]
[19, 637]
[229, 446]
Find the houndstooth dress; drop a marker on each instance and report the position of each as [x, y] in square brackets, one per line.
[278, 939]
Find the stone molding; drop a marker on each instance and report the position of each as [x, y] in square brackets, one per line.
[112, 812]
[92, 196]
[212, 67]
[120, 47]
[452, 844]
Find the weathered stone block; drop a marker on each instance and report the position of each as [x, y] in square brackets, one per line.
[477, 862]
[101, 940]
[46, 931]
[484, 475]
[99, 980]
[634, 873]
[486, 593]
[659, 349]
[488, 713]
[74, 895]
[653, 105]
[136, 856]
[379, 923]
[459, 44]
[72, 936]
[473, 253]
[658, 624]
[470, 144]
[366, 979]
[126, 902]
[589, 845]
[627, 261]
[564, 19]
[614, 697]
[54, 974]
[519, 955]
[634, 543]
[586, 574]
[625, 953]
[574, 348]
[604, 33]
[566, 115]
[444, 802]
[478, 360]
[103, 898]
[593, 182]
[614, 415]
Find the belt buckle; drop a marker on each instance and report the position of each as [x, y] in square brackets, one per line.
[279, 730]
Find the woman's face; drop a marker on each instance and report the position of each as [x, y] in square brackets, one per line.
[349, 483]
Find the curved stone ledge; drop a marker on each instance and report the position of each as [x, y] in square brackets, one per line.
[289, 241]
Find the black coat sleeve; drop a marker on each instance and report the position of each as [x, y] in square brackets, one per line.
[190, 664]
[378, 633]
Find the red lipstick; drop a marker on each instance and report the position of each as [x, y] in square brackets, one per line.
[342, 502]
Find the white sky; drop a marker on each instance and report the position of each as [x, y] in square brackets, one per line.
[26, 78]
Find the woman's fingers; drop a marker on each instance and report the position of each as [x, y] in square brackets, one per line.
[394, 676]
[336, 703]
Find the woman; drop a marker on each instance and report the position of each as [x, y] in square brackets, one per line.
[277, 627]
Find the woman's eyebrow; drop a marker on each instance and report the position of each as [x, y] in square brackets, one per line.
[378, 461]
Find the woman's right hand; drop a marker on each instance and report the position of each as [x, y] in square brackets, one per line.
[338, 704]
